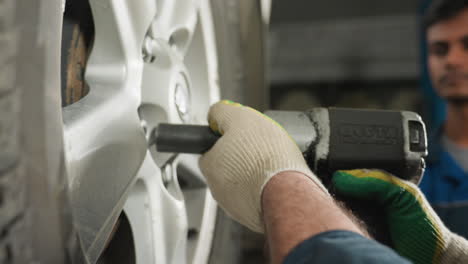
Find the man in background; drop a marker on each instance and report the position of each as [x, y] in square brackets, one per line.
[445, 182]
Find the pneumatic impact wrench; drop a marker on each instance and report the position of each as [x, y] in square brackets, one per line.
[333, 139]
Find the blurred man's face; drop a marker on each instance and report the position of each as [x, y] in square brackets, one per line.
[448, 57]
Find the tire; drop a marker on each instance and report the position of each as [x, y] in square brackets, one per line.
[240, 30]
[241, 40]
[12, 188]
[32, 183]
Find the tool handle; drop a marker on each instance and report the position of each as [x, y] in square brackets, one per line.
[193, 139]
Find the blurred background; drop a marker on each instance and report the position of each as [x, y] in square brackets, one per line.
[360, 53]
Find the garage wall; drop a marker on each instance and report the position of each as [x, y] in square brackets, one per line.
[314, 41]
[355, 53]
[286, 11]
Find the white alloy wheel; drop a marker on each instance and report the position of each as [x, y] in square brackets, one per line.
[152, 61]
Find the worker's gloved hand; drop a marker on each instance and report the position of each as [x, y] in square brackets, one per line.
[253, 148]
[416, 231]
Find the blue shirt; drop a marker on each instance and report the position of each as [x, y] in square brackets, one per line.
[342, 247]
[445, 185]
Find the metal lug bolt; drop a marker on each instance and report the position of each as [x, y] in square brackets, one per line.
[167, 174]
[149, 48]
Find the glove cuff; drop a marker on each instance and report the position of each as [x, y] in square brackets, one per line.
[303, 170]
[456, 251]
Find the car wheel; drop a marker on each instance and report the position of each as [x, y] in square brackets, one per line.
[126, 67]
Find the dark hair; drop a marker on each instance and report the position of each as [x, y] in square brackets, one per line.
[440, 10]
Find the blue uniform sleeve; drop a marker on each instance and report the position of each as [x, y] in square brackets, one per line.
[342, 247]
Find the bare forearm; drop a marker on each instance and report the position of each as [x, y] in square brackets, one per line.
[294, 209]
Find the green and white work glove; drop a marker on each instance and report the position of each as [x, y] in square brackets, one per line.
[416, 231]
[253, 148]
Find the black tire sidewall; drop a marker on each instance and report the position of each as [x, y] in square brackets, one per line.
[240, 32]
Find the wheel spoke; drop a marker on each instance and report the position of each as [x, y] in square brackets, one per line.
[121, 26]
[175, 22]
[157, 213]
[105, 147]
[105, 142]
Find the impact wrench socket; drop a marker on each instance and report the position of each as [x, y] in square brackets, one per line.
[332, 139]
